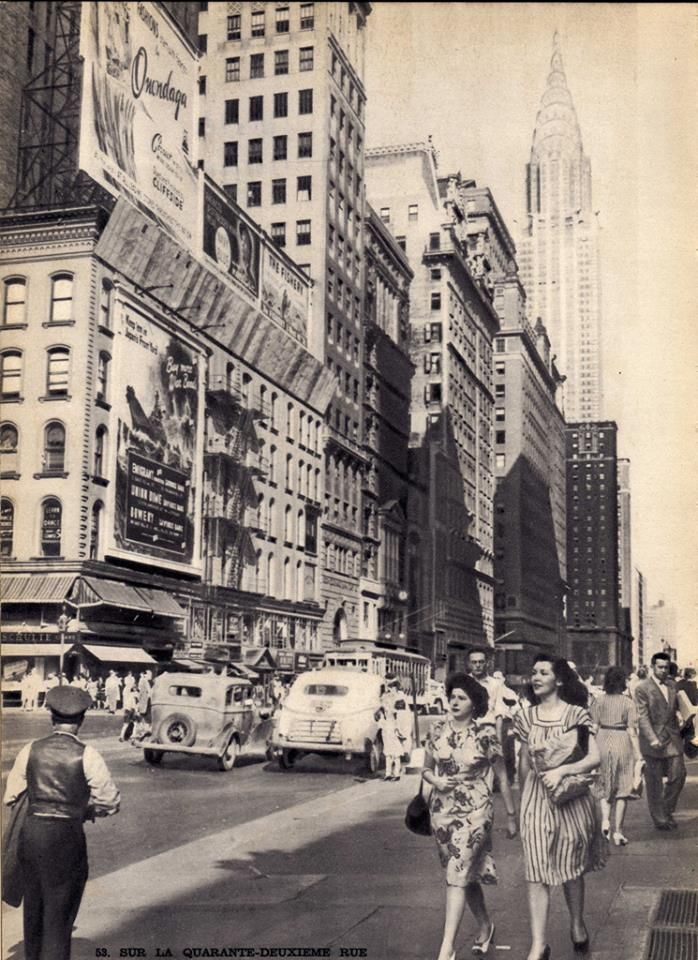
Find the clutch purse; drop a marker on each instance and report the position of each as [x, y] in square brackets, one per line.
[555, 752]
[569, 788]
[417, 816]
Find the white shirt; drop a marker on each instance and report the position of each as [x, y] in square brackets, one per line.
[663, 687]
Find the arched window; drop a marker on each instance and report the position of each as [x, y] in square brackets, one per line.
[288, 580]
[289, 420]
[100, 451]
[246, 381]
[103, 375]
[51, 527]
[300, 528]
[14, 308]
[270, 575]
[263, 401]
[274, 410]
[9, 448]
[270, 517]
[54, 448]
[11, 374]
[288, 525]
[95, 530]
[301, 427]
[258, 585]
[272, 464]
[230, 378]
[289, 472]
[62, 298]
[299, 581]
[259, 519]
[57, 371]
[105, 304]
[7, 527]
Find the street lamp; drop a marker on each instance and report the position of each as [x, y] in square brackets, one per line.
[62, 626]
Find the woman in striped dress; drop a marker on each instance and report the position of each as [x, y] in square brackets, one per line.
[616, 718]
[561, 843]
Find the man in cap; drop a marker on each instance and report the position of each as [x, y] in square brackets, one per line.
[67, 782]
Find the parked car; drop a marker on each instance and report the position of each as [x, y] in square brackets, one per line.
[331, 711]
[202, 714]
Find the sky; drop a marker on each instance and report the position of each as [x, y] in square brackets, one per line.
[471, 76]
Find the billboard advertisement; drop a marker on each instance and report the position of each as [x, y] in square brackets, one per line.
[158, 406]
[139, 104]
[285, 298]
[231, 242]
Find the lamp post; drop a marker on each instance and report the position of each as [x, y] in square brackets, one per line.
[62, 624]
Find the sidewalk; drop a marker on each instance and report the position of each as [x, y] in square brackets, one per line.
[343, 872]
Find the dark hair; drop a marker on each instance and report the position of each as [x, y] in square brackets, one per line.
[475, 690]
[572, 690]
[642, 673]
[660, 655]
[689, 673]
[614, 681]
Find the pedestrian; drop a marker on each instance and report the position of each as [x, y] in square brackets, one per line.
[460, 749]
[615, 716]
[92, 688]
[477, 668]
[660, 742]
[101, 694]
[688, 685]
[510, 706]
[28, 689]
[143, 708]
[130, 704]
[67, 782]
[560, 843]
[129, 681]
[112, 690]
[386, 719]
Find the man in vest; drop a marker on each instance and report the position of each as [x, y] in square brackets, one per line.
[67, 782]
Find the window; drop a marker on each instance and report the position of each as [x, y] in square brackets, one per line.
[500, 436]
[234, 26]
[7, 527]
[258, 23]
[305, 188]
[230, 153]
[280, 105]
[432, 331]
[278, 191]
[499, 414]
[499, 390]
[103, 375]
[202, 86]
[307, 16]
[99, 452]
[57, 368]
[10, 374]
[202, 126]
[305, 145]
[203, 43]
[385, 214]
[105, 304]
[303, 233]
[254, 151]
[254, 193]
[288, 480]
[434, 241]
[435, 300]
[256, 108]
[282, 22]
[305, 101]
[232, 69]
[9, 448]
[280, 63]
[256, 66]
[54, 448]
[288, 525]
[433, 393]
[95, 529]
[62, 299]
[305, 61]
[51, 524]
[278, 234]
[15, 301]
[413, 211]
[401, 242]
[280, 147]
[232, 111]
[500, 345]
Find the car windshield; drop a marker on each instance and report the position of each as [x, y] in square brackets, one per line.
[325, 690]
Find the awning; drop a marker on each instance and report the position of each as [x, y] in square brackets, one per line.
[161, 603]
[36, 588]
[110, 654]
[193, 665]
[30, 650]
[92, 592]
[243, 671]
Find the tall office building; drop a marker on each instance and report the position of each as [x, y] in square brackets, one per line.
[559, 251]
[625, 566]
[638, 616]
[281, 128]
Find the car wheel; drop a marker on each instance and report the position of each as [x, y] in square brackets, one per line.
[287, 759]
[153, 757]
[374, 755]
[227, 760]
[177, 729]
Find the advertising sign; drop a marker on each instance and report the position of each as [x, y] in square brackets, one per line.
[139, 104]
[159, 414]
[285, 298]
[230, 242]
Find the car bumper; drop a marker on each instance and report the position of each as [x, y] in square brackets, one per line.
[174, 748]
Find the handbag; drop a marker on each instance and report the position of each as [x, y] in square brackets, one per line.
[417, 816]
[12, 877]
[561, 749]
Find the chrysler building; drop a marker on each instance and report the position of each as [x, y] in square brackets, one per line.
[559, 252]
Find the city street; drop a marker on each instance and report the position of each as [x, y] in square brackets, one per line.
[315, 858]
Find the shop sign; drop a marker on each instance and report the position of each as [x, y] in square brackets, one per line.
[139, 107]
[285, 297]
[284, 660]
[51, 522]
[230, 241]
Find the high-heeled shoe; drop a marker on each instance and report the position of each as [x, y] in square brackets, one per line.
[545, 955]
[606, 829]
[481, 947]
[580, 946]
[619, 840]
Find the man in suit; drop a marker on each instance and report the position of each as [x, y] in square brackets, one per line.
[660, 742]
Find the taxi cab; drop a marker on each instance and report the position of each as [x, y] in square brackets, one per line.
[330, 711]
[202, 714]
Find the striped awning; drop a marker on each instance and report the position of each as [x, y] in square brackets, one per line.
[36, 588]
[92, 592]
[161, 603]
[112, 654]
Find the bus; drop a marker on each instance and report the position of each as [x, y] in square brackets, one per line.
[401, 664]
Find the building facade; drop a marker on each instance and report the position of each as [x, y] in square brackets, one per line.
[639, 618]
[661, 632]
[281, 128]
[596, 630]
[452, 325]
[625, 563]
[559, 249]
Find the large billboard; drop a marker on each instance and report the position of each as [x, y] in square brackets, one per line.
[139, 106]
[230, 241]
[285, 298]
[158, 408]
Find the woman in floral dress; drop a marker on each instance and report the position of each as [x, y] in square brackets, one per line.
[460, 754]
